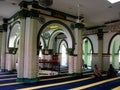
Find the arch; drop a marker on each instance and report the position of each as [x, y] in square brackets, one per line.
[114, 46]
[12, 34]
[67, 31]
[90, 43]
[111, 41]
[64, 61]
[87, 53]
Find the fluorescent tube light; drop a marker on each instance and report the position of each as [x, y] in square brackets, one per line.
[114, 1]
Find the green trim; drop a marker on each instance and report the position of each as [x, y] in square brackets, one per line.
[90, 43]
[70, 51]
[113, 54]
[5, 24]
[77, 74]
[33, 13]
[110, 43]
[79, 25]
[20, 80]
[12, 50]
[50, 52]
[86, 52]
[100, 34]
[27, 80]
[23, 13]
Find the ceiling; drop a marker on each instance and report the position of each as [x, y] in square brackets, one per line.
[95, 12]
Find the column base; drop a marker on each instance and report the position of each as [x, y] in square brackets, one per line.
[3, 70]
[27, 80]
[77, 74]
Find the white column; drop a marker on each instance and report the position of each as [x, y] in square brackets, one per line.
[21, 48]
[30, 60]
[8, 62]
[3, 51]
[78, 49]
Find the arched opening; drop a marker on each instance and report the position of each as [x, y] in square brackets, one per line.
[87, 54]
[55, 37]
[13, 42]
[115, 51]
[63, 48]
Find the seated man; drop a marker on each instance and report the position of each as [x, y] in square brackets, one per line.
[111, 71]
[97, 73]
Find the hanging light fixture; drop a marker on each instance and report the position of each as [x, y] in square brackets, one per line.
[45, 3]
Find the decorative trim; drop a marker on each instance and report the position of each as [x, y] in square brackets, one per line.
[5, 24]
[110, 42]
[90, 43]
[47, 51]
[79, 25]
[27, 80]
[12, 50]
[100, 34]
[58, 22]
[70, 51]
[20, 80]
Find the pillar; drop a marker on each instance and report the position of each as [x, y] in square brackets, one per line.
[3, 47]
[30, 50]
[79, 27]
[70, 52]
[100, 49]
[21, 46]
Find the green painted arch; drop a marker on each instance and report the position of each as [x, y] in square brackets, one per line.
[114, 46]
[56, 22]
[90, 43]
[45, 46]
[16, 41]
[54, 33]
[111, 41]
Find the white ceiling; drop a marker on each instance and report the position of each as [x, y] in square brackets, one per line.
[96, 12]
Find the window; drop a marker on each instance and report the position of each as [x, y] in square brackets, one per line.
[63, 51]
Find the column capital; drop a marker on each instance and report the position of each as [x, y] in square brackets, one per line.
[12, 50]
[100, 34]
[79, 25]
[70, 51]
[34, 11]
[24, 12]
[5, 24]
[47, 51]
[23, 4]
